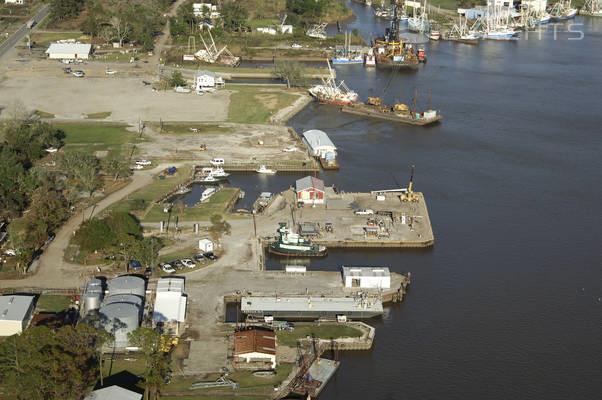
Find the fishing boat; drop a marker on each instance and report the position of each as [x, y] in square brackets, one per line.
[459, 33]
[500, 34]
[434, 35]
[331, 92]
[208, 179]
[495, 26]
[562, 11]
[347, 54]
[216, 172]
[291, 244]
[374, 108]
[593, 8]
[419, 23]
[265, 170]
[370, 59]
[542, 19]
[382, 13]
[208, 193]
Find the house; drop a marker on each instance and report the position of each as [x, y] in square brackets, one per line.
[319, 144]
[113, 393]
[170, 304]
[205, 81]
[69, 51]
[254, 347]
[310, 190]
[367, 277]
[15, 312]
[205, 245]
[205, 10]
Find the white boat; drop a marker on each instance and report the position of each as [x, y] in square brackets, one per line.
[370, 58]
[180, 89]
[208, 193]
[208, 179]
[592, 8]
[331, 92]
[562, 11]
[419, 23]
[264, 170]
[216, 172]
[434, 35]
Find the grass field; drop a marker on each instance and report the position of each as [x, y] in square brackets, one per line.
[202, 212]
[255, 104]
[289, 338]
[53, 303]
[185, 129]
[99, 137]
[134, 364]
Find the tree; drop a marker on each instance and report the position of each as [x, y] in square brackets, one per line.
[115, 167]
[234, 15]
[291, 72]
[156, 361]
[12, 173]
[121, 222]
[94, 234]
[146, 250]
[64, 9]
[82, 168]
[311, 9]
[177, 79]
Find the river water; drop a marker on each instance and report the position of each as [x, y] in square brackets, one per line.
[508, 303]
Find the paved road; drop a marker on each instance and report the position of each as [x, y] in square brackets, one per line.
[22, 31]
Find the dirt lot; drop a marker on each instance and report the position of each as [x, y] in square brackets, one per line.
[68, 97]
[240, 145]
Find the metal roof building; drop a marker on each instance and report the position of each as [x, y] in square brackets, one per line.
[311, 307]
[127, 284]
[70, 51]
[310, 190]
[170, 302]
[367, 277]
[15, 312]
[113, 393]
[120, 319]
[319, 143]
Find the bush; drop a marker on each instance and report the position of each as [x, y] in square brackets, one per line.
[177, 79]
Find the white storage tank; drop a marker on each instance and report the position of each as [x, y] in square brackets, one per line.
[127, 285]
[93, 294]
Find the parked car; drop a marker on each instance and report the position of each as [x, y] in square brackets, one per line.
[296, 46]
[188, 263]
[134, 265]
[168, 269]
[217, 162]
[289, 149]
[11, 252]
[110, 72]
[200, 258]
[136, 166]
[148, 271]
[210, 256]
[364, 211]
[67, 70]
[143, 162]
[177, 264]
[79, 73]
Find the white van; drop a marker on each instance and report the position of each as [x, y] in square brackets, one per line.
[217, 162]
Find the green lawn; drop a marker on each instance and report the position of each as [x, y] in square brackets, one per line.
[134, 364]
[99, 137]
[53, 303]
[289, 338]
[202, 212]
[255, 104]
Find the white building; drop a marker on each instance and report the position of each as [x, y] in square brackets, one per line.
[205, 10]
[13, 2]
[15, 312]
[170, 301]
[206, 245]
[319, 143]
[113, 393]
[367, 277]
[206, 81]
[69, 51]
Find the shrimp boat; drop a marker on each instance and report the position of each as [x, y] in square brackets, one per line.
[331, 92]
[593, 8]
[495, 27]
[347, 54]
[419, 23]
[459, 33]
[291, 244]
[563, 11]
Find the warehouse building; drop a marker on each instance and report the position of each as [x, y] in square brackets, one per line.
[69, 51]
[122, 309]
[310, 190]
[255, 348]
[170, 305]
[113, 393]
[15, 313]
[367, 277]
[319, 144]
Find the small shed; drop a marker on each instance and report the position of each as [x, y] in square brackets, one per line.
[69, 51]
[113, 393]
[15, 312]
[367, 277]
[255, 345]
[204, 80]
[310, 190]
[319, 144]
[205, 245]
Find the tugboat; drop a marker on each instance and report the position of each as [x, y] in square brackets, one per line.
[291, 244]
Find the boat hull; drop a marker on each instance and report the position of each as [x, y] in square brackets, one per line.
[390, 116]
[343, 61]
[279, 251]
[390, 64]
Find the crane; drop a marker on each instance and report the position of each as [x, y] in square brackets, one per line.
[409, 195]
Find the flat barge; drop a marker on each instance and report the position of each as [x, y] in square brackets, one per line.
[389, 113]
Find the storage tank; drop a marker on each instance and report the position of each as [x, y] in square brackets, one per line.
[119, 319]
[93, 295]
[126, 299]
[127, 285]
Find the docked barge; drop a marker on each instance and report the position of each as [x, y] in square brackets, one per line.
[398, 113]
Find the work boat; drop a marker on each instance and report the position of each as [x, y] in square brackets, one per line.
[265, 170]
[331, 92]
[291, 244]
[562, 11]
